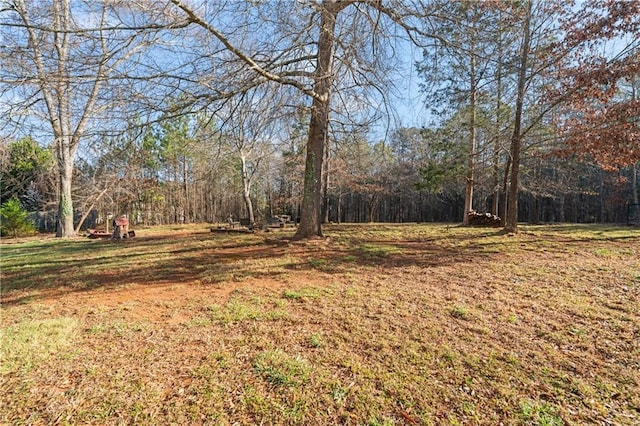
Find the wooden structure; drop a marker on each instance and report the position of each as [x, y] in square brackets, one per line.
[120, 228]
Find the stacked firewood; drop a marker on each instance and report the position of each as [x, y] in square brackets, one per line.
[483, 219]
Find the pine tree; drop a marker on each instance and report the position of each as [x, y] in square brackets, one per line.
[14, 220]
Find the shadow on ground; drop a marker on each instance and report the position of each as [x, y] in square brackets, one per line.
[50, 268]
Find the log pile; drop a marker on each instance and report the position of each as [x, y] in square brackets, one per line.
[483, 219]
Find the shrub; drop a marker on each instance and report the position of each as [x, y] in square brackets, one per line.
[14, 220]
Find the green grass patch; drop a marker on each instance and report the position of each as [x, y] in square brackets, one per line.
[459, 312]
[315, 340]
[317, 263]
[372, 250]
[278, 368]
[303, 294]
[539, 413]
[241, 309]
[30, 343]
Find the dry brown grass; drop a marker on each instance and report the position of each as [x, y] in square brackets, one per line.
[377, 324]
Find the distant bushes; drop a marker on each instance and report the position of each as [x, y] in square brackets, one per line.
[14, 220]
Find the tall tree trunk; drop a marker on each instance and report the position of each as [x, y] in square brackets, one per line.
[65, 204]
[495, 198]
[468, 195]
[602, 198]
[325, 186]
[185, 190]
[53, 65]
[246, 190]
[269, 198]
[561, 208]
[634, 167]
[310, 215]
[505, 192]
[496, 143]
[634, 183]
[511, 224]
[372, 206]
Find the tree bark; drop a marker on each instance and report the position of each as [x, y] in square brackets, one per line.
[511, 224]
[634, 167]
[468, 196]
[311, 211]
[634, 183]
[246, 190]
[496, 144]
[185, 190]
[325, 186]
[505, 192]
[372, 203]
[65, 204]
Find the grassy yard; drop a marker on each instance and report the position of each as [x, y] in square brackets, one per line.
[374, 325]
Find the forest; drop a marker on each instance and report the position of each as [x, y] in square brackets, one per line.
[177, 112]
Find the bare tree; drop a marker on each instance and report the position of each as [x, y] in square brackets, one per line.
[249, 126]
[302, 56]
[60, 70]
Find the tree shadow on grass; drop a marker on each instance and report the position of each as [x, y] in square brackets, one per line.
[54, 268]
[77, 265]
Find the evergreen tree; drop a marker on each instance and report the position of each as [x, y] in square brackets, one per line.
[24, 170]
[14, 220]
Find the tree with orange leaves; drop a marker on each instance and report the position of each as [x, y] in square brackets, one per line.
[600, 119]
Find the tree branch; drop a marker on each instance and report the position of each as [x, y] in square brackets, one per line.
[253, 65]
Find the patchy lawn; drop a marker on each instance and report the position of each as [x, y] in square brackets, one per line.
[374, 325]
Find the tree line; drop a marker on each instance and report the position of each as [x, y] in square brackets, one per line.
[176, 112]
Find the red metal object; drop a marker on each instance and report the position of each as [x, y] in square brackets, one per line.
[101, 234]
[121, 221]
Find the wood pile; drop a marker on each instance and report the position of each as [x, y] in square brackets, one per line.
[483, 219]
